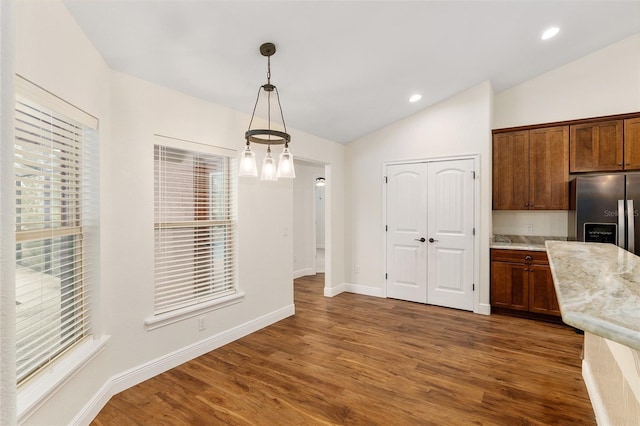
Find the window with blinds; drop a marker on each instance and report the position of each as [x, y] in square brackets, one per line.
[52, 164]
[195, 226]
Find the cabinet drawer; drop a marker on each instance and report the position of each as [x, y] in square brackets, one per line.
[519, 256]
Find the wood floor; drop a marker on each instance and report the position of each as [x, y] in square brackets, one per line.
[359, 360]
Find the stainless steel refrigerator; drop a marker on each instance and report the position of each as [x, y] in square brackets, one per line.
[604, 208]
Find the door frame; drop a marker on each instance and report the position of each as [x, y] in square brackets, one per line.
[476, 215]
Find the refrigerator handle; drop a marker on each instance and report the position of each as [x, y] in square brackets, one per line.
[631, 234]
[621, 230]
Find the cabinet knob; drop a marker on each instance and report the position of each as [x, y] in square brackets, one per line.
[528, 257]
[526, 204]
[619, 164]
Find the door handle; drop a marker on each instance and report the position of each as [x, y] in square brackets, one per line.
[422, 240]
[431, 240]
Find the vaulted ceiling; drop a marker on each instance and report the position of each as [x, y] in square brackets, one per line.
[346, 68]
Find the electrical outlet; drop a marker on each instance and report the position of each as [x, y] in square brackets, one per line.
[201, 324]
[529, 229]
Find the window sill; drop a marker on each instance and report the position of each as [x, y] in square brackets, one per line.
[39, 389]
[158, 321]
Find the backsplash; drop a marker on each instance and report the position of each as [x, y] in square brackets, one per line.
[525, 239]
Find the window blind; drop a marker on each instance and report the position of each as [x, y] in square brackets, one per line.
[195, 227]
[51, 160]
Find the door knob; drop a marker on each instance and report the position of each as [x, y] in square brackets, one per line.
[431, 240]
[422, 240]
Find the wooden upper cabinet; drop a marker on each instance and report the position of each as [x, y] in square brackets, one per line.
[549, 168]
[511, 171]
[632, 144]
[531, 169]
[597, 146]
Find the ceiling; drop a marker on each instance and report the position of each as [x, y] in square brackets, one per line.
[346, 68]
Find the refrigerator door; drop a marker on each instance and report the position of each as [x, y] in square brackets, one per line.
[597, 202]
[633, 193]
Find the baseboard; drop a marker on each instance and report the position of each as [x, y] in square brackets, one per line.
[484, 309]
[143, 372]
[334, 291]
[303, 273]
[364, 290]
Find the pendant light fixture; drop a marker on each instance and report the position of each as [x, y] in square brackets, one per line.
[268, 136]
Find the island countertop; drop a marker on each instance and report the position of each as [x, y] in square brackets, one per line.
[598, 289]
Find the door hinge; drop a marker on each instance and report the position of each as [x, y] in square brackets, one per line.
[473, 173]
[386, 276]
[474, 231]
[386, 228]
[473, 287]
[386, 179]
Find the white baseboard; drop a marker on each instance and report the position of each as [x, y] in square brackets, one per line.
[354, 288]
[334, 291]
[484, 309]
[143, 372]
[303, 273]
[364, 290]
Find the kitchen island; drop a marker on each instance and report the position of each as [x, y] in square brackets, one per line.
[598, 290]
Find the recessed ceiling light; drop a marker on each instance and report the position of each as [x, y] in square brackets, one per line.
[549, 33]
[415, 98]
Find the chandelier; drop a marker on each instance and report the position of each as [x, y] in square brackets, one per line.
[268, 136]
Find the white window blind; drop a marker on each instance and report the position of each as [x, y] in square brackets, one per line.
[52, 163]
[195, 227]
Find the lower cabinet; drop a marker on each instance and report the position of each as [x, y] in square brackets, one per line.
[521, 281]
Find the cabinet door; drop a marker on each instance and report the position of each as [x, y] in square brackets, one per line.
[542, 294]
[511, 171]
[549, 170]
[509, 286]
[596, 146]
[632, 144]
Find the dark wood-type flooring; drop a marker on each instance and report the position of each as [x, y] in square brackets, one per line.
[359, 360]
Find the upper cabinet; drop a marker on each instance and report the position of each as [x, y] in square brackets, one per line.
[531, 169]
[632, 144]
[605, 146]
[597, 147]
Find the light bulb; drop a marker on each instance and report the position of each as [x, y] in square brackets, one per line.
[268, 167]
[248, 163]
[285, 166]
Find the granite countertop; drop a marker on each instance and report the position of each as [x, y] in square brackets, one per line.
[518, 246]
[521, 242]
[598, 289]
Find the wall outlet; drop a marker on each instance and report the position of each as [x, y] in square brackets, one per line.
[529, 229]
[201, 324]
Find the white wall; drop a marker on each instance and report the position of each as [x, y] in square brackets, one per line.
[303, 219]
[457, 126]
[603, 83]
[53, 53]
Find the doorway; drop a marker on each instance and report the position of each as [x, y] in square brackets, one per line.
[311, 247]
[430, 215]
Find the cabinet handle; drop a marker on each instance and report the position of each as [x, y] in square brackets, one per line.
[619, 164]
[526, 205]
[527, 257]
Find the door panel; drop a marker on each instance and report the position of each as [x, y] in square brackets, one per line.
[450, 221]
[407, 223]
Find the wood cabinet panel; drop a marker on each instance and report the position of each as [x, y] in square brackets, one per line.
[596, 146]
[511, 171]
[509, 286]
[632, 144]
[531, 169]
[549, 170]
[521, 280]
[542, 294]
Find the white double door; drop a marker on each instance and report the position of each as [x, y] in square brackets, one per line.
[430, 227]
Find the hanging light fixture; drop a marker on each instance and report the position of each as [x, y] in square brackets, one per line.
[268, 136]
